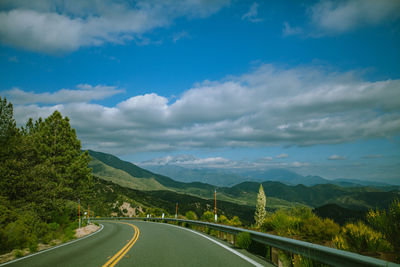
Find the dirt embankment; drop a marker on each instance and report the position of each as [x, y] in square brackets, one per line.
[80, 232]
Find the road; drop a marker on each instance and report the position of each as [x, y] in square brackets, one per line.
[137, 243]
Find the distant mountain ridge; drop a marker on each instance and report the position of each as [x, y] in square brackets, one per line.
[111, 168]
[220, 177]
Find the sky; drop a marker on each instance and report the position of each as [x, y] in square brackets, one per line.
[310, 86]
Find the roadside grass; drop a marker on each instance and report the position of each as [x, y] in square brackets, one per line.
[57, 235]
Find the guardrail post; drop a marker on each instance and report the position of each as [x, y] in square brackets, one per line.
[274, 256]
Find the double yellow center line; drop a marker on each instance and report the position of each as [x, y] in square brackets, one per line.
[117, 257]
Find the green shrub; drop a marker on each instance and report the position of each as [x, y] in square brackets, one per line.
[54, 226]
[235, 221]
[17, 234]
[282, 223]
[208, 216]
[96, 223]
[243, 240]
[190, 215]
[69, 231]
[301, 223]
[33, 244]
[222, 219]
[315, 229]
[361, 238]
[18, 253]
[388, 223]
[49, 237]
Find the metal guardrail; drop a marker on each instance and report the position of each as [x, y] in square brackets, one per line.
[322, 254]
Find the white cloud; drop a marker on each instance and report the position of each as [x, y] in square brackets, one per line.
[268, 106]
[190, 161]
[336, 157]
[252, 14]
[334, 17]
[82, 93]
[63, 26]
[297, 164]
[282, 156]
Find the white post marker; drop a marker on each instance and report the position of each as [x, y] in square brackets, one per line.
[162, 216]
[148, 215]
[216, 217]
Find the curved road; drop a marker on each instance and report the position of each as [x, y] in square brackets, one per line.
[137, 243]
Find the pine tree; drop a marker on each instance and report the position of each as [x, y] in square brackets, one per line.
[9, 143]
[61, 169]
[260, 213]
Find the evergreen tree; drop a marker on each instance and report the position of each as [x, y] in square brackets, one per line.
[9, 141]
[7, 122]
[60, 169]
[260, 213]
[43, 173]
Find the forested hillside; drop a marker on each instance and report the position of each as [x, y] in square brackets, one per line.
[43, 174]
[109, 198]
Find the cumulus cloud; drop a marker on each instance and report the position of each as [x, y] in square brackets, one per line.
[300, 106]
[336, 157]
[252, 14]
[82, 93]
[334, 17]
[189, 161]
[63, 26]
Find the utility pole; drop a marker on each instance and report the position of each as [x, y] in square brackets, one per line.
[88, 214]
[79, 207]
[215, 210]
[176, 211]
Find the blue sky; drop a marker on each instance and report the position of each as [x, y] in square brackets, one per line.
[311, 86]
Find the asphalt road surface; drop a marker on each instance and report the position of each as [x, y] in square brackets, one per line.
[137, 243]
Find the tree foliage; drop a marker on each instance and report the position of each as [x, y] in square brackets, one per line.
[43, 173]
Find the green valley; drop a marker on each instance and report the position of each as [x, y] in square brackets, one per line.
[279, 195]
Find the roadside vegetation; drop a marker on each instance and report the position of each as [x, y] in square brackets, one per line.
[377, 236]
[43, 174]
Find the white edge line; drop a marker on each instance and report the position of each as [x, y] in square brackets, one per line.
[220, 244]
[40, 252]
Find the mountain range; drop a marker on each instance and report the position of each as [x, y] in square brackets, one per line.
[223, 177]
[279, 195]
